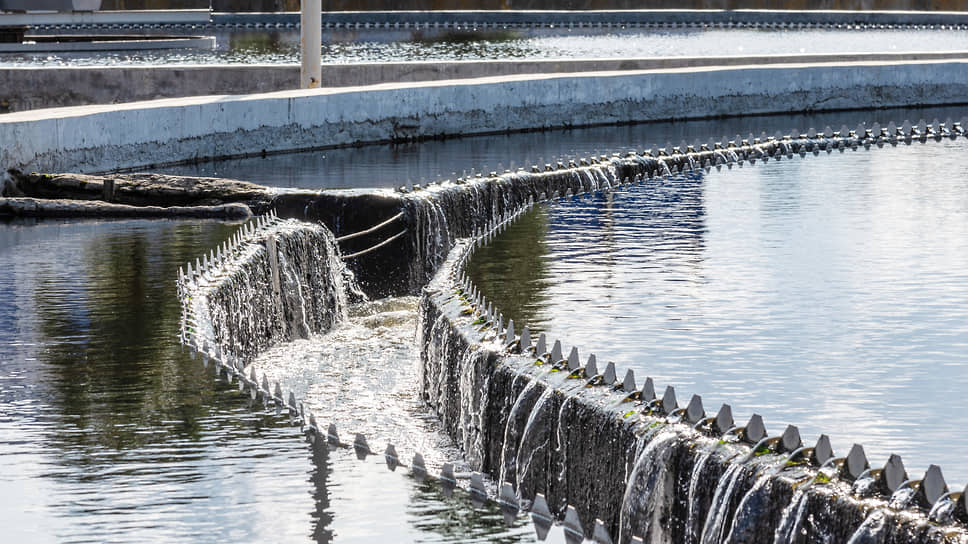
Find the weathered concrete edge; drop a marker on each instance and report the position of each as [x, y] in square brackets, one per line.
[39, 207]
[106, 138]
[29, 88]
[443, 304]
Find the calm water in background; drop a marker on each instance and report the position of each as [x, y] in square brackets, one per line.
[828, 292]
[404, 164]
[378, 46]
[109, 433]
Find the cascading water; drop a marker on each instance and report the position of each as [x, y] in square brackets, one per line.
[881, 525]
[721, 511]
[676, 485]
[287, 282]
[441, 214]
[295, 301]
[791, 522]
[473, 406]
[758, 512]
[694, 520]
[432, 237]
[531, 461]
[648, 497]
[514, 428]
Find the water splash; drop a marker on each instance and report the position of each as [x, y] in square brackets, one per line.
[721, 511]
[647, 501]
[286, 282]
[360, 376]
[531, 463]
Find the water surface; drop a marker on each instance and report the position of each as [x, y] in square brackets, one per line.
[348, 47]
[109, 433]
[419, 163]
[829, 292]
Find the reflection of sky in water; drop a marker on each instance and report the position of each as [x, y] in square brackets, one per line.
[108, 432]
[828, 292]
[355, 47]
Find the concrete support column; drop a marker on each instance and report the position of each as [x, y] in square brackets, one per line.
[311, 44]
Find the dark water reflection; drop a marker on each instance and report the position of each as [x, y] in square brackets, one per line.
[401, 164]
[109, 433]
[828, 292]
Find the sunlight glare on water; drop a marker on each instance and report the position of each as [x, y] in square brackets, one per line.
[536, 44]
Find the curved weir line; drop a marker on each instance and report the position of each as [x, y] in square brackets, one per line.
[214, 271]
[441, 213]
[191, 281]
[452, 291]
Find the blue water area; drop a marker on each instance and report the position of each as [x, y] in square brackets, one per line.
[394, 165]
[829, 292]
[110, 433]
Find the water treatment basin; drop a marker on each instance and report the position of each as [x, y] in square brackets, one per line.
[110, 432]
[826, 292]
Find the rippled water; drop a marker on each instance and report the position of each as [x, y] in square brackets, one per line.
[109, 433]
[829, 292]
[404, 164]
[355, 47]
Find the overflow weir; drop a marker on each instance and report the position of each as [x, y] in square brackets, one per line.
[565, 437]
[609, 456]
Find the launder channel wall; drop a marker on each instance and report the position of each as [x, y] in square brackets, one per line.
[632, 464]
[94, 139]
[274, 281]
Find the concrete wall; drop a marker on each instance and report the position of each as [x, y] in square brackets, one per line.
[24, 89]
[104, 138]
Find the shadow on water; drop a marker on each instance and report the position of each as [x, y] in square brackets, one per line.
[112, 362]
[319, 477]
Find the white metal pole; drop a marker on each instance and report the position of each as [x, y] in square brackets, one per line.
[311, 44]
